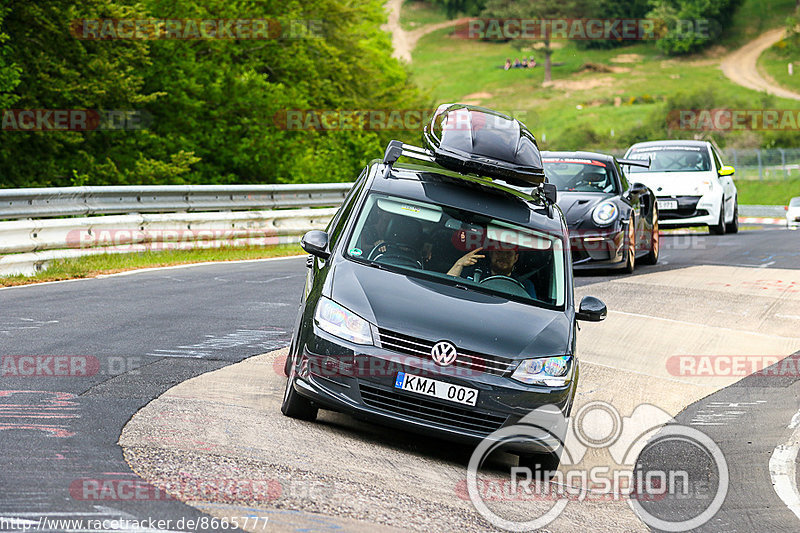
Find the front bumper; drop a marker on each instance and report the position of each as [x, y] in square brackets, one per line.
[691, 211]
[359, 380]
[597, 248]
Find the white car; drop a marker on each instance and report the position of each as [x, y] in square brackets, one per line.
[793, 212]
[692, 186]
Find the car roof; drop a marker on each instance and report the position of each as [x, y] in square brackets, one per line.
[579, 155]
[472, 193]
[671, 142]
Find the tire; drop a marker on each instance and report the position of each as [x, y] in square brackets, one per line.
[655, 240]
[541, 462]
[287, 365]
[733, 226]
[296, 406]
[719, 227]
[630, 261]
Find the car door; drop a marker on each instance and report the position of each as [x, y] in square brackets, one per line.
[728, 188]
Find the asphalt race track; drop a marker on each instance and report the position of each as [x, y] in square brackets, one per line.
[81, 358]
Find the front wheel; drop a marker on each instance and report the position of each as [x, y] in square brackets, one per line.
[296, 406]
[733, 225]
[719, 227]
[545, 463]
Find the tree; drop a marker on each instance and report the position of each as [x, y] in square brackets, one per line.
[547, 10]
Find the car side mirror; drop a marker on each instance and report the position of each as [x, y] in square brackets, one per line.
[315, 242]
[637, 189]
[591, 309]
[726, 170]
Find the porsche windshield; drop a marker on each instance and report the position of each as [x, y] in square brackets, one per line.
[454, 245]
[672, 159]
[580, 175]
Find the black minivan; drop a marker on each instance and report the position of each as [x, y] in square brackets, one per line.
[439, 300]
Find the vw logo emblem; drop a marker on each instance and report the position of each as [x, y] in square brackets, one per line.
[444, 353]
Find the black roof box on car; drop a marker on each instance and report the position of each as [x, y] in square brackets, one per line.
[476, 140]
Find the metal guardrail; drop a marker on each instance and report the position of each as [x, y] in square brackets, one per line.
[139, 218]
[84, 201]
[769, 211]
[134, 219]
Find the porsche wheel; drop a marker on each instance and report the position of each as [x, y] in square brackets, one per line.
[652, 257]
[630, 264]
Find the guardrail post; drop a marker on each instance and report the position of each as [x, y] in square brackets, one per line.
[783, 162]
[760, 168]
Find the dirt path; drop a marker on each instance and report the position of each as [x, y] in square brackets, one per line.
[741, 66]
[404, 41]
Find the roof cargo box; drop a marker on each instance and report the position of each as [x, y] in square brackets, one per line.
[476, 140]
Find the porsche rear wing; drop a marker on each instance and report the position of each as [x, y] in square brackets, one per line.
[635, 162]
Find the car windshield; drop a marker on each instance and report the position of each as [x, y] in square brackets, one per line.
[672, 159]
[457, 246]
[794, 202]
[581, 175]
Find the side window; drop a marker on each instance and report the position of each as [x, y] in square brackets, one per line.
[339, 220]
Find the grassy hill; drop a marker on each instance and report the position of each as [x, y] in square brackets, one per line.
[598, 98]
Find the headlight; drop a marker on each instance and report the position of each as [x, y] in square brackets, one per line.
[550, 371]
[605, 213]
[345, 324]
[704, 187]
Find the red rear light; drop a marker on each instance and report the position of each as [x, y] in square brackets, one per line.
[786, 208]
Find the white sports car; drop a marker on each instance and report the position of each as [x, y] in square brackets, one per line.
[692, 186]
[793, 212]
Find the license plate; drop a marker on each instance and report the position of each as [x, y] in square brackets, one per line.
[436, 389]
[668, 204]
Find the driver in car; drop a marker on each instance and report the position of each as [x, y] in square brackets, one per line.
[501, 263]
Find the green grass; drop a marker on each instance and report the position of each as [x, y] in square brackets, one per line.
[774, 63]
[457, 70]
[93, 265]
[767, 192]
[415, 14]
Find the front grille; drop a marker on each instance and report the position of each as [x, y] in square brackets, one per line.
[474, 361]
[430, 411]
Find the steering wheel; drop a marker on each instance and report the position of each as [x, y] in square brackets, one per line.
[505, 284]
[394, 254]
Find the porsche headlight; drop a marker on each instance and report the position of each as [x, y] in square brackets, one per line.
[605, 213]
[550, 371]
[341, 322]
